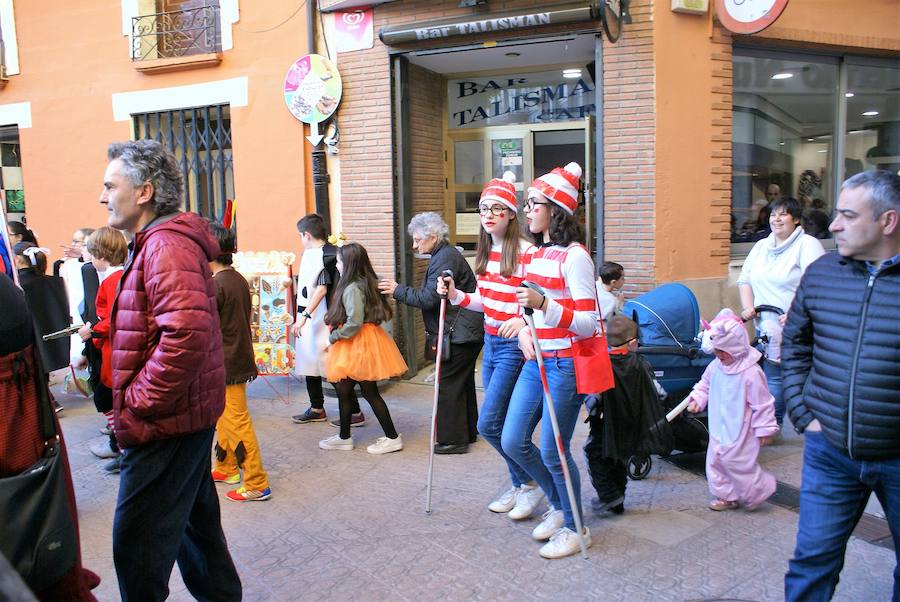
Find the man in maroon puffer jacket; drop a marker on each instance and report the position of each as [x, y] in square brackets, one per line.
[168, 384]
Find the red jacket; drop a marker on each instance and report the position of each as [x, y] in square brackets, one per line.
[168, 368]
[106, 294]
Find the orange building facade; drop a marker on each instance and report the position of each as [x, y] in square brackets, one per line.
[76, 88]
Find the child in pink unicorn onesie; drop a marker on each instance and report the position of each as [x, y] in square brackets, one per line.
[741, 416]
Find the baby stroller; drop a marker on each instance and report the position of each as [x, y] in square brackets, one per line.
[668, 319]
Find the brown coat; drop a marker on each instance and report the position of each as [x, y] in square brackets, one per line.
[233, 301]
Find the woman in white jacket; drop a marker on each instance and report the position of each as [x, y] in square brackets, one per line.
[770, 276]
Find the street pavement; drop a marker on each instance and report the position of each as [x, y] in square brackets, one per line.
[351, 526]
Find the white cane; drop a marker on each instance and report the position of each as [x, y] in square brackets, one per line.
[437, 388]
[570, 490]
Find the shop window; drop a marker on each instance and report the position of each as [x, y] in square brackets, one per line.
[782, 138]
[873, 118]
[200, 139]
[801, 125]
[11, 180]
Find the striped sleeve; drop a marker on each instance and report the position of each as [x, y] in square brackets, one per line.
[579, 314]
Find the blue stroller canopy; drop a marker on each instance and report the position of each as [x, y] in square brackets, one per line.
[667, 316]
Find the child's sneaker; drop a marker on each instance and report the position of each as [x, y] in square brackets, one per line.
[114, 466]
[565, 543]
[310, 415]
[335, 442]
[357, 419]
[221, 477]
[506, 502]
[720, 505]
[104, 450]
[242, 494]
[383, 445]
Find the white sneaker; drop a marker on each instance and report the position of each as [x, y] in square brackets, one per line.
[383, 445]
[505, 502]
[527, 500]
[552, 521]
[565, 543]
[103, 450]
[335, 442]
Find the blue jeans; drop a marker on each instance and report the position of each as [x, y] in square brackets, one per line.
[773, 378]
[527, 402]
[168, 511]
[832, 499]
[501, 363]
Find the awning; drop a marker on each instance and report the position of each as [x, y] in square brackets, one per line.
[488, 24]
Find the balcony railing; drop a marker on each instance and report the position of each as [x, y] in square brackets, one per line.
[174, 34]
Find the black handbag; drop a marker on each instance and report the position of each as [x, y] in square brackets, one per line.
[431, 341]
[39, 538]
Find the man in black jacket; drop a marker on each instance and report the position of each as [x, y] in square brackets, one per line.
[841, 365]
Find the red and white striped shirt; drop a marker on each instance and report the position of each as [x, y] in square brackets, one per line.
[496, 294]
[567, 276]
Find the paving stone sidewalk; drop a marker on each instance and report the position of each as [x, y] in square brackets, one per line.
[352, 526]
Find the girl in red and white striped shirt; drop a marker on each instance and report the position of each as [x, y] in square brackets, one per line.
[566, 311]
[502, 258]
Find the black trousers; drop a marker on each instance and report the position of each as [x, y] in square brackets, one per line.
[317, 397]
[608, 476]
[457, 413]
[168, 512]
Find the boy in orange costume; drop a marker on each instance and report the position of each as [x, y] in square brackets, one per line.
[236, 444]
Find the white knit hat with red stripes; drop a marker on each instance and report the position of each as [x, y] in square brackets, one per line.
[560, 186]
[502, 190]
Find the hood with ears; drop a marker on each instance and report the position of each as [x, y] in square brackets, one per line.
[727, 333]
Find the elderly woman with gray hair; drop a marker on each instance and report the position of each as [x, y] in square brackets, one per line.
[457, 414]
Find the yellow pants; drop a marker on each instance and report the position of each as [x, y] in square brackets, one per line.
[236, 444]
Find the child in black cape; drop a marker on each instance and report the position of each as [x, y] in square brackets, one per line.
[624, 419]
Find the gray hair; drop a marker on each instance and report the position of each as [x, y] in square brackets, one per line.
[883, 187]
[429, 224]
[149, 161]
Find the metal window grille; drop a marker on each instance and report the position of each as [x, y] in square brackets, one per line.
[182, 32]
[200, 139]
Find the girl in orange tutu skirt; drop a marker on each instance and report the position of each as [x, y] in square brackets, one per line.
[360, 351]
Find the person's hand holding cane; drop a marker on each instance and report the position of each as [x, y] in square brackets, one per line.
[445, 286]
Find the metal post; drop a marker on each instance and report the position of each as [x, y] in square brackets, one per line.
[320, 175]
[599, 183]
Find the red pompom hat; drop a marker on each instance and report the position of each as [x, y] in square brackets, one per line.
[502, 190]
[560, 186]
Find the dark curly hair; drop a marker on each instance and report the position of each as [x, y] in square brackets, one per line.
[565, 228]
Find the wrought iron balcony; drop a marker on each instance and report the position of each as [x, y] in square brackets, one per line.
[175, 34]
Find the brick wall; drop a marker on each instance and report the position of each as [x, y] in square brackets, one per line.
[720, 160]
[629, 123]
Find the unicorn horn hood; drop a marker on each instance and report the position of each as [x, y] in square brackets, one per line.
[727, 333]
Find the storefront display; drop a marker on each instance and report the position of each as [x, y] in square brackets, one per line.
[269, 275]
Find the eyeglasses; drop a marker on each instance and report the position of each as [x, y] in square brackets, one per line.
[497, 210]
[530, 204]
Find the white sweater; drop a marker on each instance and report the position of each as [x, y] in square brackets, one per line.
[773, 271]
